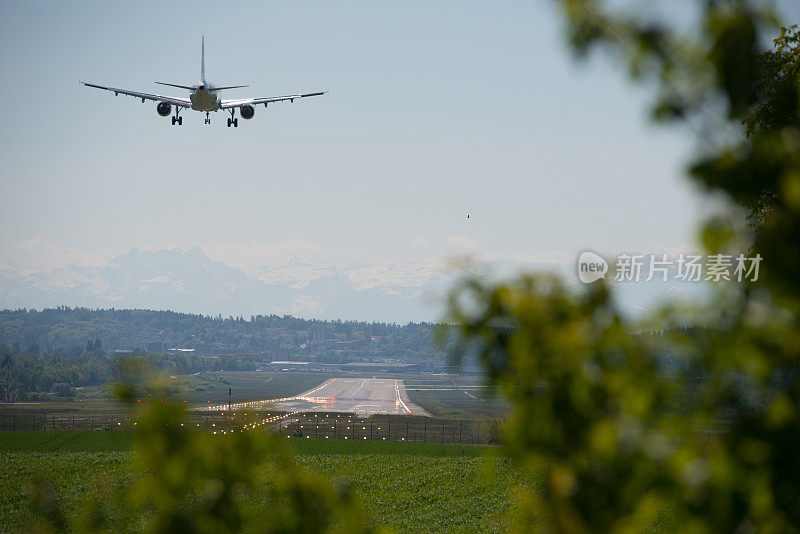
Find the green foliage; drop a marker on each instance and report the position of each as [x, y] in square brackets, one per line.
[60, 481]
[777, 83]
[61, 389]
[587, 402]
[68, 330]
[52, 371]
[614, 444]
[383, 449]
[191, 482]
[415, 491]
[408, 487]
[49, 372]
[65, 441]
[619, 444]
[722, 78]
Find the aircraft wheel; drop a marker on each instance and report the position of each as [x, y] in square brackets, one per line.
[180, 121]
[229, 123]
[235, 123]
[173, 121]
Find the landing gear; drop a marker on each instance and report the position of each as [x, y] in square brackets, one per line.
[208, 120]
[233, 120]
[177, 118]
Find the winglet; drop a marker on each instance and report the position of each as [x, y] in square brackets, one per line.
[203, 60]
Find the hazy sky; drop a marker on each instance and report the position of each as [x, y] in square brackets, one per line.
[436, 110]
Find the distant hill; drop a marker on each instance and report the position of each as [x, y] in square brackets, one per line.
[264, 337]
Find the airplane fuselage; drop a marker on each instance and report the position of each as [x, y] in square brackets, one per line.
[203, 99]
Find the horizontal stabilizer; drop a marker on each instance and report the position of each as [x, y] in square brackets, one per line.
[190, 88]
[228, 87]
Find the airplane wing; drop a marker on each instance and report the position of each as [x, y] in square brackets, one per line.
[180, 102]
[227, 104]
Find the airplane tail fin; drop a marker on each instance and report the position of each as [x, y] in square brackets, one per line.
[203, 60]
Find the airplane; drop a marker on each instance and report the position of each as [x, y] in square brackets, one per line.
[203, 97]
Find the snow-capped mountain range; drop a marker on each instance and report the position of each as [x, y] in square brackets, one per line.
[190, 281]
[293, 278]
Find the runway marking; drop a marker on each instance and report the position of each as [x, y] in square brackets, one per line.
[397, 391]
[461, 388]
[359, 389]
[314, 397]
[470, 394]
[309, 393]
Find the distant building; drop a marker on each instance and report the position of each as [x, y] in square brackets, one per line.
[353, 366]
[282, 365]
[378, 367]
[180, 351]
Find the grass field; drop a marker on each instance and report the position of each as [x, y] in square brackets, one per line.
[42, 441]
[408, 487]
[460, 397]
[245, 385]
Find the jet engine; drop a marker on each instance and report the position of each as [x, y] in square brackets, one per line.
[247, 111]
[163, 109]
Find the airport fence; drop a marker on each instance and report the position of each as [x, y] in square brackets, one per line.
[413, 429]
[59, 422]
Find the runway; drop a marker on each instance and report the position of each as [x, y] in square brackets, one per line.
[362, 396]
